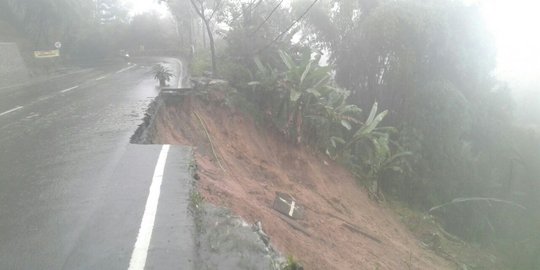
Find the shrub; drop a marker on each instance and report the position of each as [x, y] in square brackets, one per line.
[162, 74]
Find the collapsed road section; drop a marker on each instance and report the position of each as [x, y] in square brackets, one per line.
[305, 204]
[220, 240]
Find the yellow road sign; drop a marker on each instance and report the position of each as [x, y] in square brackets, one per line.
[46, 54]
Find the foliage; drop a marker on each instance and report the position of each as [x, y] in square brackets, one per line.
[301, 90]
[428, 62]
[47, 21]
[332, 117]
[185, 23]
[200, 63]
[302, 101]
[252, 27]
[425, 69]
[206, 11]
[302, 85]
[89, 30]
[292, 264]
[369, 151]
[385, 51]
[150, 32]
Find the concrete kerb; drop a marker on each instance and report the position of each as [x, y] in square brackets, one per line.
[179, 86]
[179, 73]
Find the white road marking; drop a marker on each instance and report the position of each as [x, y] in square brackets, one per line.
[48, 79]
[12, 110]
[124, 69]
[101, 78]
[140, 250]
[291, 211]
[69, 89]
[32, 115]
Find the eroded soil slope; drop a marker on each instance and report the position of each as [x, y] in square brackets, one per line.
[342, 228]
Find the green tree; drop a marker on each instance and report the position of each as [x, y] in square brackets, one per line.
[46, 21]
[302, 83]
[154, 34]
[186, 22]
[206, 11]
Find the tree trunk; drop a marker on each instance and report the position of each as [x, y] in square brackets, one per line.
[206, 22]
[203, 26]
[298, 121]
[212, 47]
[190, 37]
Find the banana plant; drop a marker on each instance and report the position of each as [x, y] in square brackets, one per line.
[263, 86]
[369, 131]
[302, 83]
[335, 108]
[369, 152]
[332, 117]
[266, 77]
[381, 159]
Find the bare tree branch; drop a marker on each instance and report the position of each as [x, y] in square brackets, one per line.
[290, 26]
[267, 17]
[216, 8]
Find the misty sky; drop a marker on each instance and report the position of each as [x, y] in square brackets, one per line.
[141, 6]
[514, 24]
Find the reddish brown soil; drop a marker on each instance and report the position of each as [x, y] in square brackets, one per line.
[257, 163]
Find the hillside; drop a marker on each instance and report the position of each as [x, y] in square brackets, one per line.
[342, 228]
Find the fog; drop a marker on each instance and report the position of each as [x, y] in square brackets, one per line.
[432, 106]
[513, 23]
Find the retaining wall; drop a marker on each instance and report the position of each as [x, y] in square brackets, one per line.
[12, 67]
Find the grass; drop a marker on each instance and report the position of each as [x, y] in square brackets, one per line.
[292, 264]
[196, 199]
[432, 236]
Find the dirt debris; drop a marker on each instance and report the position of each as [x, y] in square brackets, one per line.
[343, 228]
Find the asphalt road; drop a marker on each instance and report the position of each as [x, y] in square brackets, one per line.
[73, 191]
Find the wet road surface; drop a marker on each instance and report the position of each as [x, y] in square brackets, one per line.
[73, 191]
